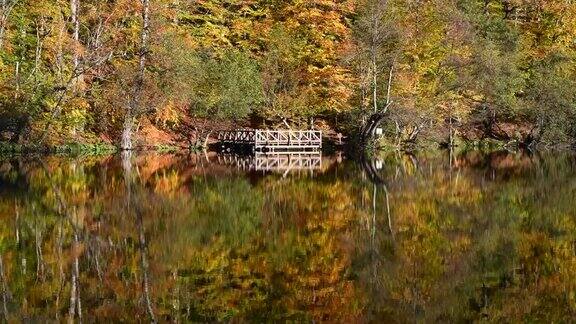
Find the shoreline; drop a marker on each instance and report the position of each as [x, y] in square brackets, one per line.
[350, 148]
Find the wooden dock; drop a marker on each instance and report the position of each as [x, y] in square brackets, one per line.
[274, 140]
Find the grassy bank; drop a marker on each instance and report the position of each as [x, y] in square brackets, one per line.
[83, 149]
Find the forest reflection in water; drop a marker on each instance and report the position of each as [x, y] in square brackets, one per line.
[430, 237]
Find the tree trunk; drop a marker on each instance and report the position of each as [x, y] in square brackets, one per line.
[206, 140]
[377, 14]
[131, 108]
[38, 52]
[74, 7]
[72, 307]
[5, 292]
[126, 142]
[451, 134]
[17, 78]
[374, 81]
[389, 92]
[60, 53]
[78, 79]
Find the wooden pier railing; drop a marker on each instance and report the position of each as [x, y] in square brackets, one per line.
[287, 139]
[274, 140]
[241, 136]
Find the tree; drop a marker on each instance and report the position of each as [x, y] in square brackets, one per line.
[74, 17]
[374, 34]
[310, 59]
[134, 103]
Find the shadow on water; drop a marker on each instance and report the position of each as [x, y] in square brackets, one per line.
[212, 237]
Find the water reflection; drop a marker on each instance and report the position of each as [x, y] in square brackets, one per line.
[183, 238]
[284, 162]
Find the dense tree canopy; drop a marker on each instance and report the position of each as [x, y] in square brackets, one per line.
[500, 69]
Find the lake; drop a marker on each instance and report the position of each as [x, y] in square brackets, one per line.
[431, 237]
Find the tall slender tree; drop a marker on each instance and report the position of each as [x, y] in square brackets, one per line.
[74, 17]
[134, 103]
[373, 32]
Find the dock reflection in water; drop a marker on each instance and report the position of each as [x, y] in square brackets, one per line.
[274, 162]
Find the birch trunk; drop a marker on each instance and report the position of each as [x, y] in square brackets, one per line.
[376, 33]
[373, 51]
[72, 300]
[74, 8]
[375, 81]
[77, 76]
[131, 108]
[389, 92]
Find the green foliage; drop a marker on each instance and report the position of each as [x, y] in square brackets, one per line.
[496, 65]
[551, 100]
[281, 75]
[229, 87]
[219, 85]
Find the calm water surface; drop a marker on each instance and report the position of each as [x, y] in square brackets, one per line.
[426, 238]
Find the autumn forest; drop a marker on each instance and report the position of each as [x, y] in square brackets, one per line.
[428, 174]
[168, 72]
